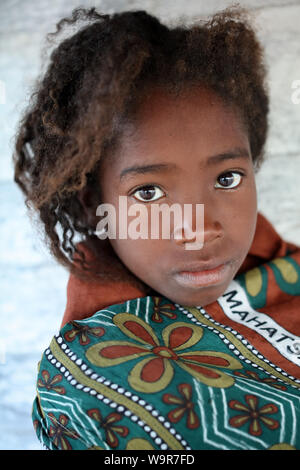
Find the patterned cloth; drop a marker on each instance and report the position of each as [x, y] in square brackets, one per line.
[150, 374]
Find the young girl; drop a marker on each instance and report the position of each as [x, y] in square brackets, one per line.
[161, 347]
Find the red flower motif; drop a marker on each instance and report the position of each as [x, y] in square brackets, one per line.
[51, 384]
[156, 370]
[159, 309]
[59, 432]
[185, 406]
[110, 426]
[251, 413]
[83, 331]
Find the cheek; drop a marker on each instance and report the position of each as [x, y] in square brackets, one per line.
[133, 227]
[139, 256]
[249, 212]
[242, 222]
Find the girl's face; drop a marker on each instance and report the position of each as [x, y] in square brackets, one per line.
[204, 157]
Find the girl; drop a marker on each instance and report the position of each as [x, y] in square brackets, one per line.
[161, 347]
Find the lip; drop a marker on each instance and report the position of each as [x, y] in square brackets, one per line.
[201, 266]
[207, 275]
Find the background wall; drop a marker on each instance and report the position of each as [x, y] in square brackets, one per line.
[33, 287]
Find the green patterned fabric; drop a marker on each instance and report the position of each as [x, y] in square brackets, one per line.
[151, 374]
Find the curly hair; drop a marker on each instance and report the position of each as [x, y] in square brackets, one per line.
[93, 86]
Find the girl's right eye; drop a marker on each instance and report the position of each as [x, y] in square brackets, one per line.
[147, 192]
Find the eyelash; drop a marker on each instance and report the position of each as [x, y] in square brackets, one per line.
[241, 174]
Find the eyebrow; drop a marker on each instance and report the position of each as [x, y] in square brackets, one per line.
[164, 167]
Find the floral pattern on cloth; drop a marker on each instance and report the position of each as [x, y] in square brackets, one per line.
[84, 332]
[156, 370]
[183, 406]
[60, 433]
[130, 377]
[255, 415]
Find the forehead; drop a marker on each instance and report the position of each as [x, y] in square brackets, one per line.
[196, 122]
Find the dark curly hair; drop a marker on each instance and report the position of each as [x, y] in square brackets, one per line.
[93, 86]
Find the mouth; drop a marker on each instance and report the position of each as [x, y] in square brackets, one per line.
[209, 274]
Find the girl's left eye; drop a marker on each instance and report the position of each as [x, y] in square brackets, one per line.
[229, 180]
[146, 193]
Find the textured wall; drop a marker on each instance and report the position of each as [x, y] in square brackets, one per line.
[34, 285]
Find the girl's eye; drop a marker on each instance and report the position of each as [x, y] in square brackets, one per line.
[146, 193]
[230, 180]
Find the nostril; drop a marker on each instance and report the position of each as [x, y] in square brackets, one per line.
[211, 235]
[181, 235]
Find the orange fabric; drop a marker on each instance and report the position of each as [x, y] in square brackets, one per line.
[85, 298]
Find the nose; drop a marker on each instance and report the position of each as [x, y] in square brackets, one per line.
[197, 225]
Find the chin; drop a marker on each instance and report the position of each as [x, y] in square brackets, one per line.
[195, 299]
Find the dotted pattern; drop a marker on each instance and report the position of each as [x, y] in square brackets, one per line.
[121, 390]
[232, 347]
